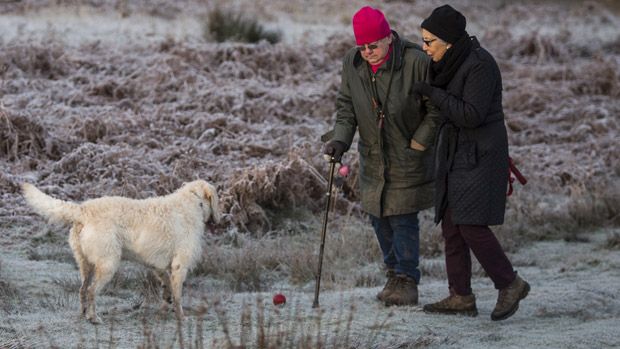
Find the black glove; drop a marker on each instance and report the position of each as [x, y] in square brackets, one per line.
[421, 89]
[335, 149]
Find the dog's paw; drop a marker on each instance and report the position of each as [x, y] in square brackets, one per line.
[178, 310]
[94, 319]
[164, 307]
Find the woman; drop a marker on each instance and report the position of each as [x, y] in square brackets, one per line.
[471, 163]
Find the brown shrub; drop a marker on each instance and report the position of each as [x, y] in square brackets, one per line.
[538, 48]
[595, 204]
[597, 77]
[8, 183]
[271, 185]
[93, 130]
[228, 25]
[113, 90]
[46, 60]
[613, 241]
[21, 136]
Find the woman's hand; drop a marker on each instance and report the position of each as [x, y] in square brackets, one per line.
[421, 89]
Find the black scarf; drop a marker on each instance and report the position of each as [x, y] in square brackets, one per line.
[443, 71]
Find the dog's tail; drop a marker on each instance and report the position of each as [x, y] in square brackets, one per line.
[55, 210]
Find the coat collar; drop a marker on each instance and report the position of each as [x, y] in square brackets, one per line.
[474, 42]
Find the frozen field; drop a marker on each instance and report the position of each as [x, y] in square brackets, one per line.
[130, 98]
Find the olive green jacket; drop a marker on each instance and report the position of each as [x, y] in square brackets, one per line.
[394, 179]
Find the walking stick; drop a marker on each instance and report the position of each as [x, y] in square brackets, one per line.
[332, 164]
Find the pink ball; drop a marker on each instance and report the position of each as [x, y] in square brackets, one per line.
[344, 170]
[279, 299]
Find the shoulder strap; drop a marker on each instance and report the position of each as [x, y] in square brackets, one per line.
[377, 105]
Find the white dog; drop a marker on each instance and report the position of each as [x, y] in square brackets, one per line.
[162, 232]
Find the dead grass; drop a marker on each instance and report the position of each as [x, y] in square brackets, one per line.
[47, 61]
[256, 327]
[260, 328]
[272, 185]
[57, 299]
[22, 137]
[9, 294]
[613, 241]
[60, 254]
[247, 263]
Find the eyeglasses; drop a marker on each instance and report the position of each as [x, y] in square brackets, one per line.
[428, 42]
[372, 47]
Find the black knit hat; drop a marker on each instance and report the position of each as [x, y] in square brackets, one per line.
[446, 23]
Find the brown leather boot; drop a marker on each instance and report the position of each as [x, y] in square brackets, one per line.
[389, 285]
[508, 299]
[454, 304]
[405, 292]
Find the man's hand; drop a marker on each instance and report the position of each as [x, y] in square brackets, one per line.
[417, 146]
[335, 149]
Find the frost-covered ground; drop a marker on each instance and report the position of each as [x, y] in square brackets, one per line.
[573, 304]
[129, 98]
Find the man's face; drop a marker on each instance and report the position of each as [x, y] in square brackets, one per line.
[375, 52]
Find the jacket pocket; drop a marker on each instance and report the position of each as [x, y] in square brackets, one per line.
[412, 166]
[465, 157]
[370, 161]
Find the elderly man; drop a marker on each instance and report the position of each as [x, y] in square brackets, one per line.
[396, 137]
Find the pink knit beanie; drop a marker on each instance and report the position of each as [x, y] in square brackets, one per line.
[369, 25]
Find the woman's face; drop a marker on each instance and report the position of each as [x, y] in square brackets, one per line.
[434, 46]
[375, 52]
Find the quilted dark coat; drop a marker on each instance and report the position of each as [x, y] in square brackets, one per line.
[472, 145]
[394, 179]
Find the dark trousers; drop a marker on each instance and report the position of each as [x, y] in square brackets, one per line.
[459, 239]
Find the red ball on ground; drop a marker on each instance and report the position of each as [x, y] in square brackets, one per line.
[343, 170]
[279, 299]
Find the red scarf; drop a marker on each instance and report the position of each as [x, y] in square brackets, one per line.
[375, 67]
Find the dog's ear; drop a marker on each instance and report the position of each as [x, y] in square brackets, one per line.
[210, 194]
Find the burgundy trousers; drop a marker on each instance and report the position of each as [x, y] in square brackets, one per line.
[459, 239]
